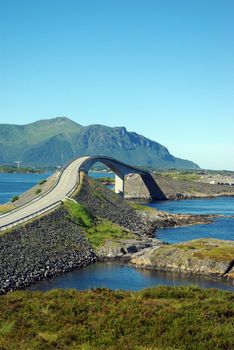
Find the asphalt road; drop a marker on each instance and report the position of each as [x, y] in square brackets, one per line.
[66, 183]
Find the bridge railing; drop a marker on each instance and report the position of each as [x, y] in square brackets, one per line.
[46, 209]
[41, 211]
[41, 196]
[31, 216]
[133, 168]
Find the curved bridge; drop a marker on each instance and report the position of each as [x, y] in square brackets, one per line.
[121, 169]
[67, 183]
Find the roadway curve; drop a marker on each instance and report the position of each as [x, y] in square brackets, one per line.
[66, 183]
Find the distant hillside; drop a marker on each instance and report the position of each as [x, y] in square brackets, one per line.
[55, 141]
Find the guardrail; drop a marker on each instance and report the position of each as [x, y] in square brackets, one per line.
[39, 212]
[28, 217]
[41, 196]
[46, 209]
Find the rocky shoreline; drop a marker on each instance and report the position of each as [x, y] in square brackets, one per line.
[162, 219]
[53, 244]
[193, 257]
[181, 258]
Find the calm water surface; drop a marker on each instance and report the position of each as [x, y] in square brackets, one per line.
[220, 228]
[15, 184]
[220, 205]
[125, 277]
[96, 174]
[116, 276]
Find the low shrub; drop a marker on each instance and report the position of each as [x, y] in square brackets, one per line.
[162, 318]
[15, 198]
[42, 182]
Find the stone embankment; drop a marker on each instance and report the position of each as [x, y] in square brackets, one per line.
[53, 244]
[175, 189]
[46, 247]
[106, 204]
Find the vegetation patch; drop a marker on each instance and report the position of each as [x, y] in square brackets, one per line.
[15, 198]
[78, 214]
[210, 249]
[138, 206]
[108, 180]
[98, 194]
[156, 318]
[21, 170]
[97, 231]
[38, 191]
[107, 230]
[4, 208]
[182, 175]
[42, 182]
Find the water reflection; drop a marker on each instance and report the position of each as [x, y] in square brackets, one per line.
[116, 276]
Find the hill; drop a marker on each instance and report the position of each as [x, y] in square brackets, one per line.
[55, 141]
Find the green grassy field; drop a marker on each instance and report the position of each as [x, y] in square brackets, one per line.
[185, 318]
[98, 231]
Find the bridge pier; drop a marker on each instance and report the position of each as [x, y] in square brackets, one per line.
[119, 184]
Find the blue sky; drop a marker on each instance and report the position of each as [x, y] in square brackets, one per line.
[162, 68]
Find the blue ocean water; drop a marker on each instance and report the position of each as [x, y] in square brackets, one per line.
[219, 205]
[116, 276]
[96, 174]
[125, 277]
[220, 228]
[15, 184]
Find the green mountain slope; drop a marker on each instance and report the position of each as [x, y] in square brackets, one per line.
[55, 141]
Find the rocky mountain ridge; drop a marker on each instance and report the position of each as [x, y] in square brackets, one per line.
[55, 141]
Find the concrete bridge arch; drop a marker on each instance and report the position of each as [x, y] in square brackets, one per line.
[122, 169]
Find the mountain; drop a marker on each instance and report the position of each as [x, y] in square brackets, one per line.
[55, 141]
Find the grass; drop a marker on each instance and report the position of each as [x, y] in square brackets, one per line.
[97, 231]
[98, 194]
[210, 248]
[105, 180]
[106, 230]
[78, 214]
[182, 176]
[138, 206]
[4, 208]
[161, 318]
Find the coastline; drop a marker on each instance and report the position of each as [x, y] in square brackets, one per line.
[54, 243]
